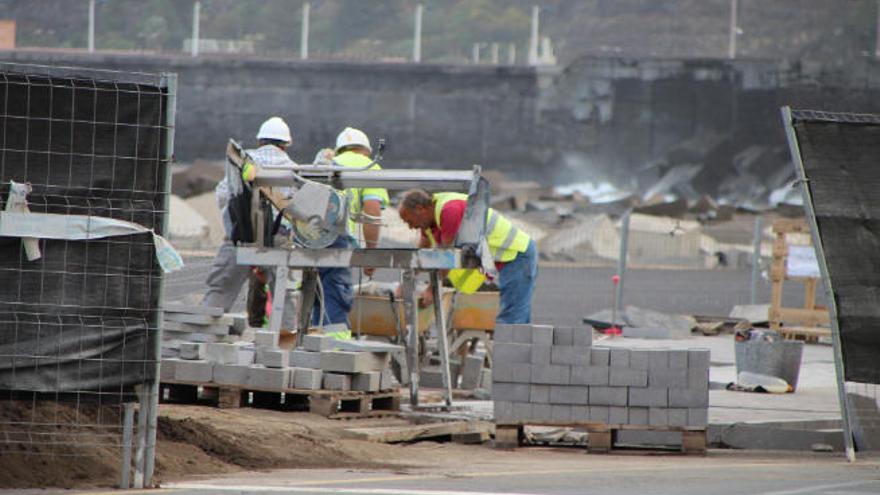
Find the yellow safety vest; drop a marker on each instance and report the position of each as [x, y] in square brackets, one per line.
[504, 239]
[356, 160]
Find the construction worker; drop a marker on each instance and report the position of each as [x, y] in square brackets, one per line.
[439, 217]
[226, 277]
[352, 150]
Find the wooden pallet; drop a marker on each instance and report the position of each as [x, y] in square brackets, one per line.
[807, 334]
[603, 437]
[333, 404]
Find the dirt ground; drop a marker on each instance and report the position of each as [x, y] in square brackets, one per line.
[192, 441]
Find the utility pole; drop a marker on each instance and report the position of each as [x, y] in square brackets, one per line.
[533, 39]
[304, 34]
[731, 44]
[91, 26]
[197, 12]
[417, 35]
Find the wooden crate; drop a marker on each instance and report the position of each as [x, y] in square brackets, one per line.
[331, 404]
[603, 437]
[809, 321]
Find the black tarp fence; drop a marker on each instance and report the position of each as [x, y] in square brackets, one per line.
[83, 319]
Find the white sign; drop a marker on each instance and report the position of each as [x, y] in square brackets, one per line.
[802, 262]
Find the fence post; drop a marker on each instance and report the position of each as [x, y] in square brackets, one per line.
[417, 35]
[304, 35]
[756, 259]
[197, 11]
[91, 35]
[621, 262]
[127, 427]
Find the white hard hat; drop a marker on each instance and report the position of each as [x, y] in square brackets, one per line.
[352, 137]
[275, 128]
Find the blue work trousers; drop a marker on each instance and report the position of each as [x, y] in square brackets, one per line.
[338, 294]
[516, 281]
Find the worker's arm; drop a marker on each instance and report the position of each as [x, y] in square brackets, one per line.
[372, 208]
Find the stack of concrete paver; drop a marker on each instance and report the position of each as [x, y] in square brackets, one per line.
[196, 324]
[322, 363]
[547, 374]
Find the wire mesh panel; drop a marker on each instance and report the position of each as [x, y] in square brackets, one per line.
[79, 322]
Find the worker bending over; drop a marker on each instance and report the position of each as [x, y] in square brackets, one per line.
[226, 277]
[353, 150]
[439, 217]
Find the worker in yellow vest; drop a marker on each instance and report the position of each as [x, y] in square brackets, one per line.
[439, 217]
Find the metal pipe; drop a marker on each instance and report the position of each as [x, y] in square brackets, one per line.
[756, 259]
[411, 310]
[127, 427]
[621, 261]
[732, 30]
[143, 411]
[197, 10]
[304, 34]
[91, 34]
[417, 35]
[533, 37]
[442, 337]
[849, 444]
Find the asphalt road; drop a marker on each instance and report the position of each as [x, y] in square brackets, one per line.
[567, 471]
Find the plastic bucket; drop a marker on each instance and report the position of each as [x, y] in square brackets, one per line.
[781, 359]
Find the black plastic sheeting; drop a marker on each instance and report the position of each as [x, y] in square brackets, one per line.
[84, 317]
[841, 162]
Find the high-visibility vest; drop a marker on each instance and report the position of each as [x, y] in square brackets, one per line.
[504, 239]
[356, 195]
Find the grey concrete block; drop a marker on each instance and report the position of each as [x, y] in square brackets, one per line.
[485, 379]
[542, 335]
[221, 353]
[264, 338]
[638, 359]
[698, 379]
[515, 392]
[272, 358]
[231, 374]
[167, 369]
[337, 381]
[430, 378]
[191, 337]
[539, 394]
[658, 416]
[471, 371]
[580, 413]
[687, 397]
[561, 412]
[619, 358]
[638, 416]
[589, 375]
[677, 417]
[608, 396]
[570, 355]
[192, 350]
[625, 377]
[618, 415]
[367, 382]
[568, 394]
[600, 356]
[318, 343]
[503, 333]
[351, 362]
[658, 359]
[522, 333]
[540, 354]
[668, 378]
[563, 336]
[550, 374]
[698, 417]
[522, 411]
[699, 358]
[247, 354]
[194, 371]
[678, 358]
[503, 411]
[582, 336]
[599, 414]
[268, 378]
[648, 397]
[304, 359]
[389, 382]
[511, 372]
[307, 378]
[511, 353]
[542, 412]
[178, 308]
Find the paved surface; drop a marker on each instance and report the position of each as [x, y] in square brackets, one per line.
[536, 470]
